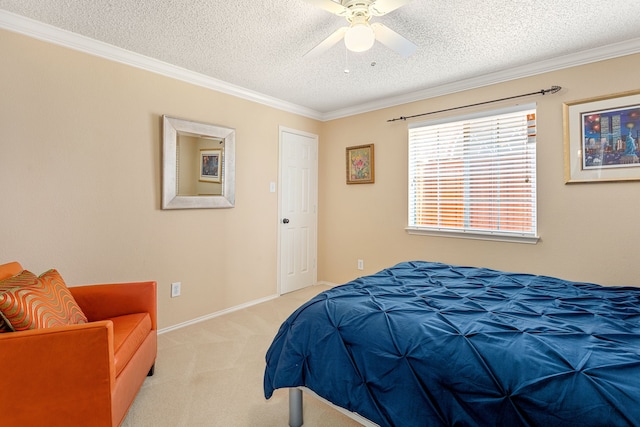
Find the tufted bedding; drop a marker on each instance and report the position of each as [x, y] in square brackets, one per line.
[430, 344]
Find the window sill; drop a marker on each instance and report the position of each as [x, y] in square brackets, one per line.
[500, 237]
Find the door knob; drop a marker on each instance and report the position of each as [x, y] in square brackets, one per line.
[285, 221]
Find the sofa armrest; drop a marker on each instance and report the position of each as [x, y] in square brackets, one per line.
[63, 373]
[99, 302]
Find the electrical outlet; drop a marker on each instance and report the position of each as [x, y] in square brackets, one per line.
[360, 264]
[175, 289]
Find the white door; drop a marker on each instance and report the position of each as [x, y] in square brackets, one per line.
[298, 212]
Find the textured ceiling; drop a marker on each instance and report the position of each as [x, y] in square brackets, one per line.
[259, 44]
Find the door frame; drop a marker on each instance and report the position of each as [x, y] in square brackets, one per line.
[281, 130]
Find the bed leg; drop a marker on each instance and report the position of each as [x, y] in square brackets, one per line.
[295, 407]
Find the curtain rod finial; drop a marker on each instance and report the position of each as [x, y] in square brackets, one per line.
[553, 89]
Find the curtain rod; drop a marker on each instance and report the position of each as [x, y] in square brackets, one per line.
[552, 89]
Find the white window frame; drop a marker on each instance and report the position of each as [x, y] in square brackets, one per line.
[467, 232]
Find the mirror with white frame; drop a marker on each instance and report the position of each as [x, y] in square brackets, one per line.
[198, 165]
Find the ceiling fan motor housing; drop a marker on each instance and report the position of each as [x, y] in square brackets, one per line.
[357, 9]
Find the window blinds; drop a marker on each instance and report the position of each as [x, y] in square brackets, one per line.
[476, 174]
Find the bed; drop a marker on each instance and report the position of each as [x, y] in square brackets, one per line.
[432, 344]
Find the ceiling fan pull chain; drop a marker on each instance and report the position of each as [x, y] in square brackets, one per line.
[346, 60]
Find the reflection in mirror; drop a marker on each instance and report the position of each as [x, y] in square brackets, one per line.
[198, 165]
[200, 160]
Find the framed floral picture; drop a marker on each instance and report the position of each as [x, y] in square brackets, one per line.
[360, 164]
[601, 138]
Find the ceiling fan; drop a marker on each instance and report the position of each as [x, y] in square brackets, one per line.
[360, 35]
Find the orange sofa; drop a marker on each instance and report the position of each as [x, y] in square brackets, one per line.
[82, 374]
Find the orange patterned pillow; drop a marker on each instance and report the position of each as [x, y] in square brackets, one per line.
[25, 278]
[45, 304]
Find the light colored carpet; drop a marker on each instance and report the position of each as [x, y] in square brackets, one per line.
[210, 374]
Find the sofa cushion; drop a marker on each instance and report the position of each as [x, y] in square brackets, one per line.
[47, 303]
[129, 331]
[10, 269]
[24, 278]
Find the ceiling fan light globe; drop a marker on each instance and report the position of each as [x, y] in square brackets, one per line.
[359, 38]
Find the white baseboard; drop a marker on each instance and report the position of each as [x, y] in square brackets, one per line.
[333, 285]
[230, 310]
[353, 415]
[216, 314]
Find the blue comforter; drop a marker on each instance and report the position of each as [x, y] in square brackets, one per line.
[429, 344]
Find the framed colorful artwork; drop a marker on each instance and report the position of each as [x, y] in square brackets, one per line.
[209, 165]
[360, 164]
[601, 138]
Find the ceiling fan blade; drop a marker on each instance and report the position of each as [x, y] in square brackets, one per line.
[382, 7]
[330, 6]
[393, 40]
[327, 43]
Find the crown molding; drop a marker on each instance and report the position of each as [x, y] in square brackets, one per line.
[602, 53]
[48, 33]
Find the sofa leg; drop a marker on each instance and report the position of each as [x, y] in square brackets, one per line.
[152, 370]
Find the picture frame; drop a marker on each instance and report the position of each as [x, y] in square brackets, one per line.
[360, 164]
[210, 165]
[601, 138]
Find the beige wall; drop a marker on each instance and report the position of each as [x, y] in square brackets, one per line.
[80, 156]
[588, 232]
[80, 147]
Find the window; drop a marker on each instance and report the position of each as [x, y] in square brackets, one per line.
[475, 176]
